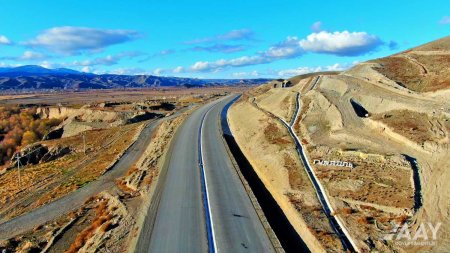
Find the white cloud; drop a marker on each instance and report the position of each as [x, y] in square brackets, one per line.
[46, 64]
[316, 27]
[283, 50]
[86, 69]
[30, 55]
[125, 71]
[444, 20]
[200, 66]
[107, 60]
[72, 40]
[336, 67]
[287, 49]
[340, 43]
[4, 40]
[305, 70]
[236, 62]
[7, 65]
[178, 70]
[158, 72]
[223, 48]
[251, 74]
[234, 35]
[297, 71]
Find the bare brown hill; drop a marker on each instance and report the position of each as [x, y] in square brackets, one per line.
[422, 69]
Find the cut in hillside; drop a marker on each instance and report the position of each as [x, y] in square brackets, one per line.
[298, 78]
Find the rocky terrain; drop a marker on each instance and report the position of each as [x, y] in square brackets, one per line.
[377, 140]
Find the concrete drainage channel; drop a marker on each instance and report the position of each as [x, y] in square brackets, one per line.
[416, 181]
[284, 231]
[335, 222]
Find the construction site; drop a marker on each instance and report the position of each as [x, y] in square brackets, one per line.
[351, 155]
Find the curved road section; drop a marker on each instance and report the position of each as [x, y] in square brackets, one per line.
[180, 224]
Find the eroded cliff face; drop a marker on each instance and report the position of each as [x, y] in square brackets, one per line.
[83, 114]
[77, 120]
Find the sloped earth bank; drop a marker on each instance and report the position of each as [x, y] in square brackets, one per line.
[398, 153]
[270, 151]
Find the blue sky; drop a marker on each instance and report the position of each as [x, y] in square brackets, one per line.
[213, 39]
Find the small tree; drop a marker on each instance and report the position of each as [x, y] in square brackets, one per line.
[29, 137]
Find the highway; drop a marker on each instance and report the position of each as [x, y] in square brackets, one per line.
[203, 206]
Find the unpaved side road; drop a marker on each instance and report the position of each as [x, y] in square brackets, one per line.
[74, 200]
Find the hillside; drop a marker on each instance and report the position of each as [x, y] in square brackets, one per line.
[389, 118]
[421, 69]
[35, 77]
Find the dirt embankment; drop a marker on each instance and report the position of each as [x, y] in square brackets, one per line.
[85, 118]
[271, 152]
[383, 188]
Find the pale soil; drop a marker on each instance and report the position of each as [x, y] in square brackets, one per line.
[379, 192]
[279, 167]
[280, 100]
[420, 130]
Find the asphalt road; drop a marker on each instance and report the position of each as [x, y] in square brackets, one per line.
[180, 224]
[74, 200]
[237, 227]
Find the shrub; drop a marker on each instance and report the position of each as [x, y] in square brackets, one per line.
[106, 227]
[347, 210]
[364, 220]
[401, 219]
[102, 216]
[21, 127]
[384, 219]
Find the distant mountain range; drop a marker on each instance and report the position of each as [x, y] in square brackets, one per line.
[32, 77]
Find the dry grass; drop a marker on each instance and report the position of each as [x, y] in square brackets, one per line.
[68, 173]
[365, 220]
[437, 45]
[271, 151]
[275, 136]
[122, 185]
[401, 219]
[297, 179]
[401, 70]
[347, 210]
[101, 222]
[384, 219]
[132, 169]
[425, 73]
[383, 182]
[416, 126]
